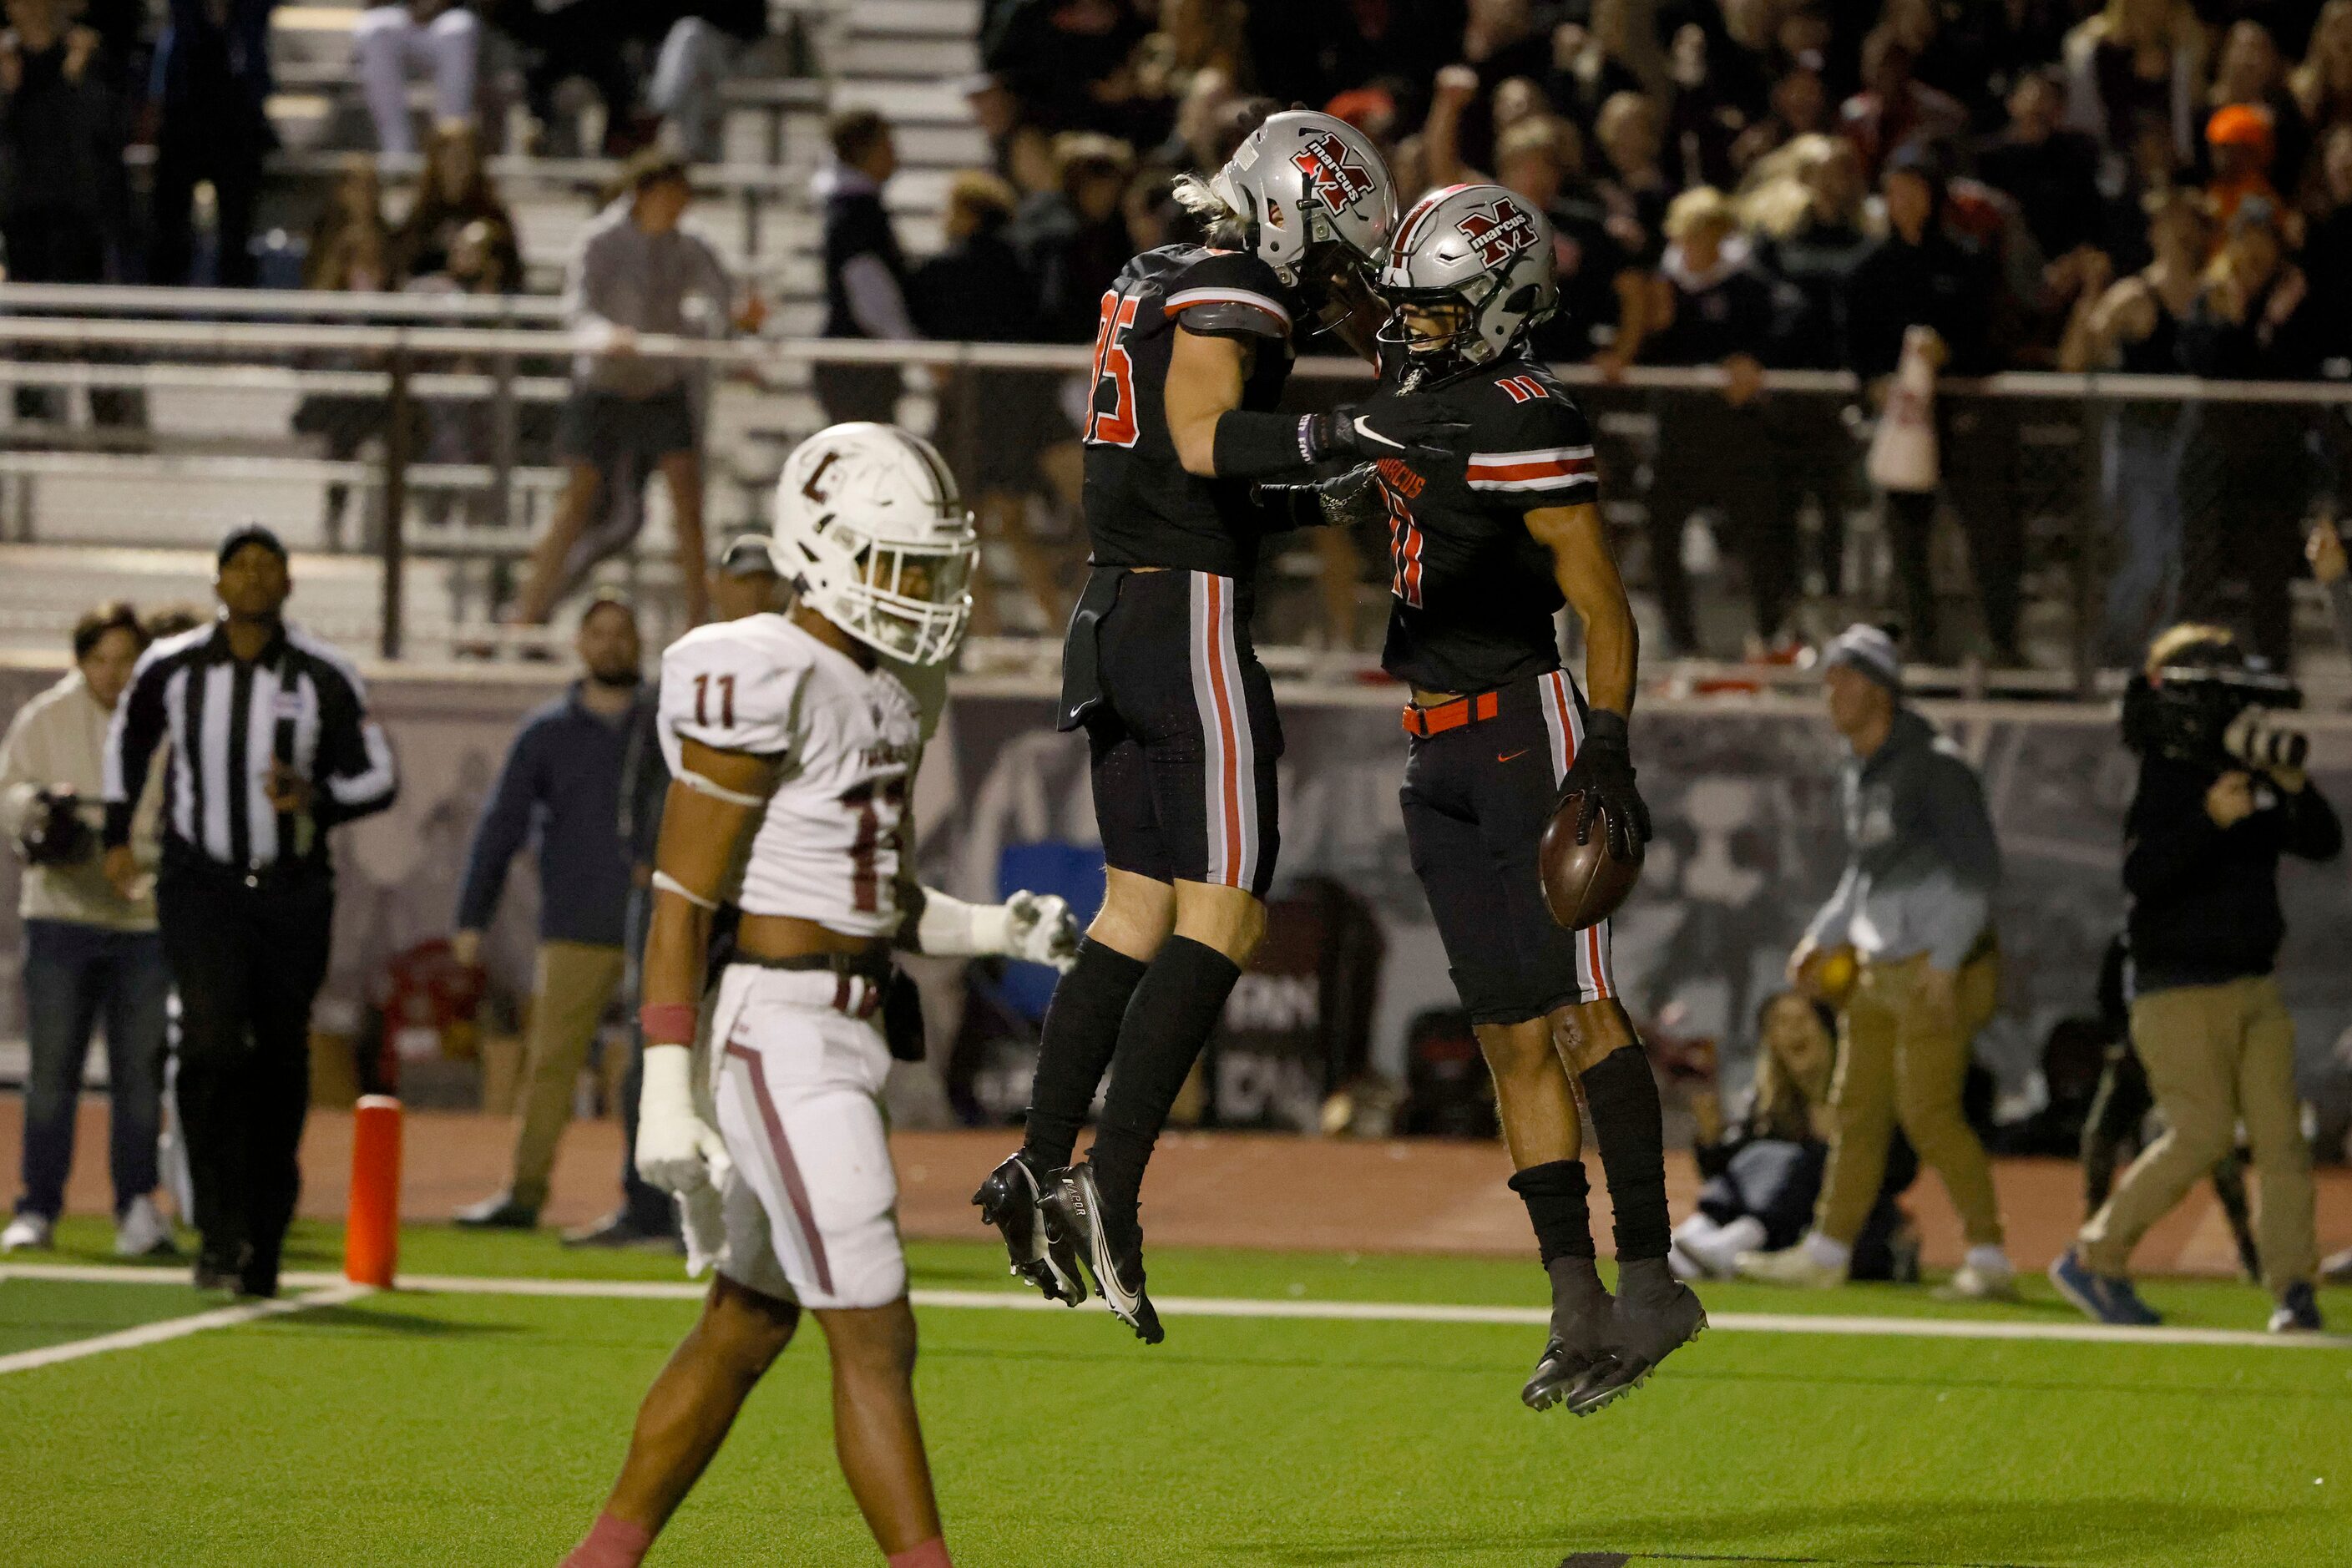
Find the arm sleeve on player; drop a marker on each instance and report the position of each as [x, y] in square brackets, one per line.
[730, 694]
[1531, 455]
[949, 928]
[1253, 445]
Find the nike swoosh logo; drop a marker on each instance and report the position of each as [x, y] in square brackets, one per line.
[1511, 756]
[1369, 434]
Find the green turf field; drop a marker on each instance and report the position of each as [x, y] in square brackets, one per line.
[450, 1428]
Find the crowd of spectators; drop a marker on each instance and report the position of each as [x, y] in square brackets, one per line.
[2154, 185]
[85, 82]
[2146, 185]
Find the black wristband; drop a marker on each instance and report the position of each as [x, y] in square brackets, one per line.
[117, 831]
[1251, 446]
[1606, 730]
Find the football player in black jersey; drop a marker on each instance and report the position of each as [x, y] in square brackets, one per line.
[1486, 550]
[1194, 346]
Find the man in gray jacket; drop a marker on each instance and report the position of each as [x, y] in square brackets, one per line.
[1911, 923]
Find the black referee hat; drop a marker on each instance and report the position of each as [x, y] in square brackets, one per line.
[251, 533]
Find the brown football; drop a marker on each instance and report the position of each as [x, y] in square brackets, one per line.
[1584, 883]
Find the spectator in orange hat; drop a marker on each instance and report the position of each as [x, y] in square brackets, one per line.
[2241, 141]
[2251, 72]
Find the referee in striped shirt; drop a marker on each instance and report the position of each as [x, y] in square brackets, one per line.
[270, 745]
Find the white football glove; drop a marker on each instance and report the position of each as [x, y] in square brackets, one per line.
[1039, 929]
[677, 1151]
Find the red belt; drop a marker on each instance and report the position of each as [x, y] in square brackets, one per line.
[1425, 723]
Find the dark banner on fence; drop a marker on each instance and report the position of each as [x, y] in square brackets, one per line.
[1744, 798]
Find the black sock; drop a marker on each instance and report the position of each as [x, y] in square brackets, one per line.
[1558, 1205]
[1626, 1115]
[1180, 999]
[1080, 1032]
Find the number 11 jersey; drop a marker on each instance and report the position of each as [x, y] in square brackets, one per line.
[833, 836]
[1142, 508]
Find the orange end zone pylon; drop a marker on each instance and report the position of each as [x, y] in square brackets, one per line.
[371, 1227]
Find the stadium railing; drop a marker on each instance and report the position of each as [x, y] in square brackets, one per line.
[234, 364]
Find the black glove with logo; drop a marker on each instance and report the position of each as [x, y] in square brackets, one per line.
[1603, 773]
[1344, 502]
[1390, 429]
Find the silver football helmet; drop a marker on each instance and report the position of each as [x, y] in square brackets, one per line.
[1482, 248]
[1305, 180]
[872, 534]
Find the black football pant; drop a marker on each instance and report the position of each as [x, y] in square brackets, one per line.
[248, 962]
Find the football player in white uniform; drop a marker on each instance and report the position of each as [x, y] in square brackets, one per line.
[791, 746]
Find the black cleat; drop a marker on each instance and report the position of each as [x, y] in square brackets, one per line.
[1008, 1200]
[1655, 1314]
[1580, 1333]
[1072, 1208]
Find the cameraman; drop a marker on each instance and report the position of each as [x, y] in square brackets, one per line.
[89, 951]
[2201, 848]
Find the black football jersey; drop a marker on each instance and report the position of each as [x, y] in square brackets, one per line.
[1142, 508]
[1473, 593]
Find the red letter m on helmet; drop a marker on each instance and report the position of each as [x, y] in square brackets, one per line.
[1498, 233]
[1339, 181]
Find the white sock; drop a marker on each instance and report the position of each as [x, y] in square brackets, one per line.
[1989, 1260]
[1827, 1253]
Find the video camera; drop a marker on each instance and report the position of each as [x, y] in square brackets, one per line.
[2219, 717]
[57, 832]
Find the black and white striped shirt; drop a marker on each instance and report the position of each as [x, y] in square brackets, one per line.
[301, 702]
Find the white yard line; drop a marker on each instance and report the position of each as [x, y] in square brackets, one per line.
[1241, 1306]
[330, 1295]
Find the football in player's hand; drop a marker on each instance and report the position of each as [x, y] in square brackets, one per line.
[1584, 883]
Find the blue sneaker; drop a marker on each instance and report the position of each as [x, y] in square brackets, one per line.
[2125, 1307]
[2103, 1299]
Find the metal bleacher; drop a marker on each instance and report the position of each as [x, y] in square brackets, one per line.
[92, 512]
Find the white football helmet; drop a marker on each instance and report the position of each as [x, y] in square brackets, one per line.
[1480, 247]
[1304, 180]
[871, 533]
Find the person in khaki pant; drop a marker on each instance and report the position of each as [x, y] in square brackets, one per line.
[562, 780]
[2202, 843]
[1911, 922]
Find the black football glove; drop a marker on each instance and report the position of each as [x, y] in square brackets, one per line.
[1393, 430]
[1345, 501]
[1603, 773]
